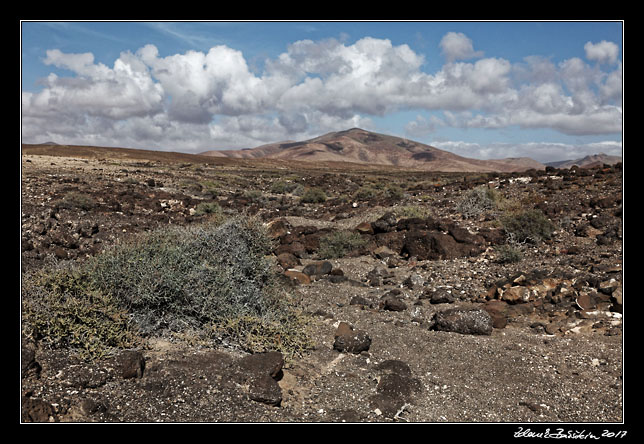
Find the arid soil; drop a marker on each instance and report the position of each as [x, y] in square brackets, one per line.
[401, 334]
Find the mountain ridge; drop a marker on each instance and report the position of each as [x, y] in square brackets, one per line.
[359, 146]
[589, 161]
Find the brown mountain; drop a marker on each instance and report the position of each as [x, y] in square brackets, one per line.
[591, 161]
[367, 148]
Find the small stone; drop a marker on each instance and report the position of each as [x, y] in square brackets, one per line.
[391, 302]
[414, 281]
[349, 340]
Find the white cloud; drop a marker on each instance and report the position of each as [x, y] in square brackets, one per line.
[602, 52]
[457, 46]
[124, 91]
[539, 151]
[200, 99]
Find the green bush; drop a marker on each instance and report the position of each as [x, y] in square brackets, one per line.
[530, 226]
[214, 280]
[508, 254]
[394, 192]
[313, 195]
[339, 244]
[208, 208]
[60, 308]
[282, 187]
[365, 192]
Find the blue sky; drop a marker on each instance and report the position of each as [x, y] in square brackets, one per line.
[546, 90]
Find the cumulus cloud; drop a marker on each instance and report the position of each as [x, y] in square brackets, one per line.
[204, 100]
[457, 46]
[602, 52]
[539, 151]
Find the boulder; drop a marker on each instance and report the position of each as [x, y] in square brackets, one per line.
[384, 224]
[349, 340]
[396, 388]
[392, 302]
[438, 296]
[473, 321]
[260, 372]
[515, 295]
[298, 276]
[431, 245]
[463, 236]
[129, 364]
[318, 268]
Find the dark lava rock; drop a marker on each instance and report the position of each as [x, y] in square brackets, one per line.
[349, 340]
[472, 321]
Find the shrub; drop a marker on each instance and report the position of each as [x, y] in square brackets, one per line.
[411, 211]
[212, 279]
[299, 190]
[254, 195]
[508, 254]
[63, 310]
[476, 202]
[207, 208]
[530, 226]
[365, 192]
[339, 244]
[313, 195]
[210, 188]
[394, 192]
[282, 187]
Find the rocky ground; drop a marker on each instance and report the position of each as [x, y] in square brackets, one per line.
[421, 323]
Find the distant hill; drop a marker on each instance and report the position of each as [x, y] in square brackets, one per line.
[591, 161]
[368, 148]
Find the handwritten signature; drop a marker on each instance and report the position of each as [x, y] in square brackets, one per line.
[567, 434]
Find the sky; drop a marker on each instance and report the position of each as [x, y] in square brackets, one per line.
[549, 90]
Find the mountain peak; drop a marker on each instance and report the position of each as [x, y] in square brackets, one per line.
[359, 146]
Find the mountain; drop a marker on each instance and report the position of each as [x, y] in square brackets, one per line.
[367, 148]
[588, 161]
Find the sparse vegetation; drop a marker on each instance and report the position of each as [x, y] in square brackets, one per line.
[340, 244]
[508, 254]
[282, 187]
[210, 188]
[62, 309]
[208, 208]
[411, 211]
[365, 192]
[530, 226]
[477, 201]
[313, 195]
[210, 279]
[394, 192]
